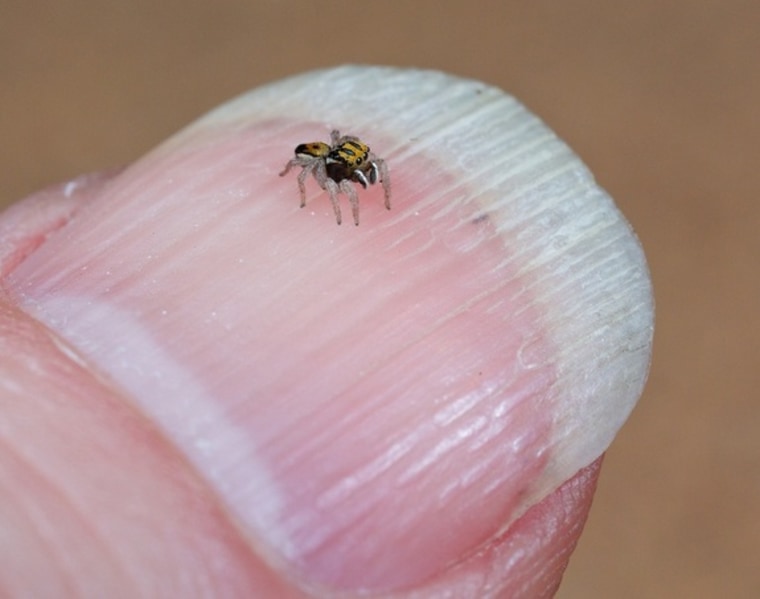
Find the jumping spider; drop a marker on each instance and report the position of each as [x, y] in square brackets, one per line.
[346, 160]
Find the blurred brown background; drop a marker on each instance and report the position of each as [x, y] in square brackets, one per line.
[660, 97]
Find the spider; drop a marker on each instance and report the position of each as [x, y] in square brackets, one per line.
[337, 166]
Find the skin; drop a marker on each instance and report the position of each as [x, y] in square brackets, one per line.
[101, 495]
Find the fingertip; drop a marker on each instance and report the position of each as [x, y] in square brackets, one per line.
[371, 402]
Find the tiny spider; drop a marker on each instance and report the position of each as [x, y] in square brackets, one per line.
[336, 167]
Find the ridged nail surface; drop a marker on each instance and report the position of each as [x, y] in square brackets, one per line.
[371, 403]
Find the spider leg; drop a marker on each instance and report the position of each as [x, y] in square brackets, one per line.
[320, 173]
[347, 188]
[333, 190]
[288, 166]
[302, 182]
[385, 179]
[336, 139]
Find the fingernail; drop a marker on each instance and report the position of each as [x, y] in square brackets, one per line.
[371, 403]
